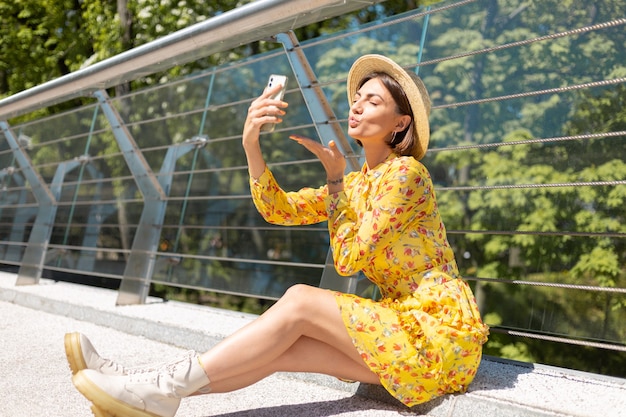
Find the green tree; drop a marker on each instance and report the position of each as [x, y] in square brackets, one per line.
[44, 39]
[39, 42]
[552, 225]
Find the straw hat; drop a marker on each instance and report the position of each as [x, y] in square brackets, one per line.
[411, 84]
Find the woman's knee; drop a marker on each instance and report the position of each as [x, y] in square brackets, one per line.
[304, 299]
[298, 291]
[306, 293]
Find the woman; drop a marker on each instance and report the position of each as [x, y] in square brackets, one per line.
[423, 339]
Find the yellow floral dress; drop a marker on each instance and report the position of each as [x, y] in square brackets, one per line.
[424, 337]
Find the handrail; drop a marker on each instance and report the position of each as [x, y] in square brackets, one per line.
[233, 28]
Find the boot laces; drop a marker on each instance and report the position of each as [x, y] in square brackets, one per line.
[154, 373]
[117, 368]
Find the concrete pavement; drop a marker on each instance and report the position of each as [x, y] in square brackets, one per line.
[35, 379]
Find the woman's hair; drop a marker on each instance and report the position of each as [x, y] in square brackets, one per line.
[403, 142]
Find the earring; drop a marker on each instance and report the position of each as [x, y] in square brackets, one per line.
[393, 136]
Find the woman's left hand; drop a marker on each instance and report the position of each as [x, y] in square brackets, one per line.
[331, 158]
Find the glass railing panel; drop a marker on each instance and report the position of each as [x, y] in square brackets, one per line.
[553, 210]
[14, 191]
[238, 260]
[6, 156]
[526, 153]
[536, 308]
[59, 127]
[5, 149]
[485, 96]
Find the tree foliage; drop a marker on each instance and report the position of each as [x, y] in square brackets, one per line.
[41, 40]
[558, 230]
[38, 42]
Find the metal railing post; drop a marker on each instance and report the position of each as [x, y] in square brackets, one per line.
[97, 214]
[140, 264]
[322, 114]
[13, 252]
[327, 129]
[142, 260]
[32, 262]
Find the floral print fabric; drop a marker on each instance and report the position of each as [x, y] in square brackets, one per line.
[424, 337]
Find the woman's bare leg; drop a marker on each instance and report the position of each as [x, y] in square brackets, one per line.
[302, 332]
[306, 355]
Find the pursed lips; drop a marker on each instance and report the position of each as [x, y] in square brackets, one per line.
[353, 121]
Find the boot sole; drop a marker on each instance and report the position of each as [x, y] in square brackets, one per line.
[105, 405]
[99, 413]
[74, 352]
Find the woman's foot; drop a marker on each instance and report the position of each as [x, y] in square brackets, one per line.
[155, 393]
[82, 355]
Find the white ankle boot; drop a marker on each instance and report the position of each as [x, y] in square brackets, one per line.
[155, 393]
[82, 355]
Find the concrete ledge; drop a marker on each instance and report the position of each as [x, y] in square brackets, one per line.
[501, 387]
[509, 388]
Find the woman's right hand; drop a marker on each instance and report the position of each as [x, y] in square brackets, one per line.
[261, 111]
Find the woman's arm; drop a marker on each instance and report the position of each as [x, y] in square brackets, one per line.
[305, 206]
[262, 110]
[275, 205]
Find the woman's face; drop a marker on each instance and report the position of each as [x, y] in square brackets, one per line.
[373, 114]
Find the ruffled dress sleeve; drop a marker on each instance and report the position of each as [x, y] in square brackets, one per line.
[277, 206]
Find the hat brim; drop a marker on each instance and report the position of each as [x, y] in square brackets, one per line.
[368, 64]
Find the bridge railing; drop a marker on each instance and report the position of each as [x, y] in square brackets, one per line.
[527, 154]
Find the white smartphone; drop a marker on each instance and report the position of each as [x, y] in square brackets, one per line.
[271, 82]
